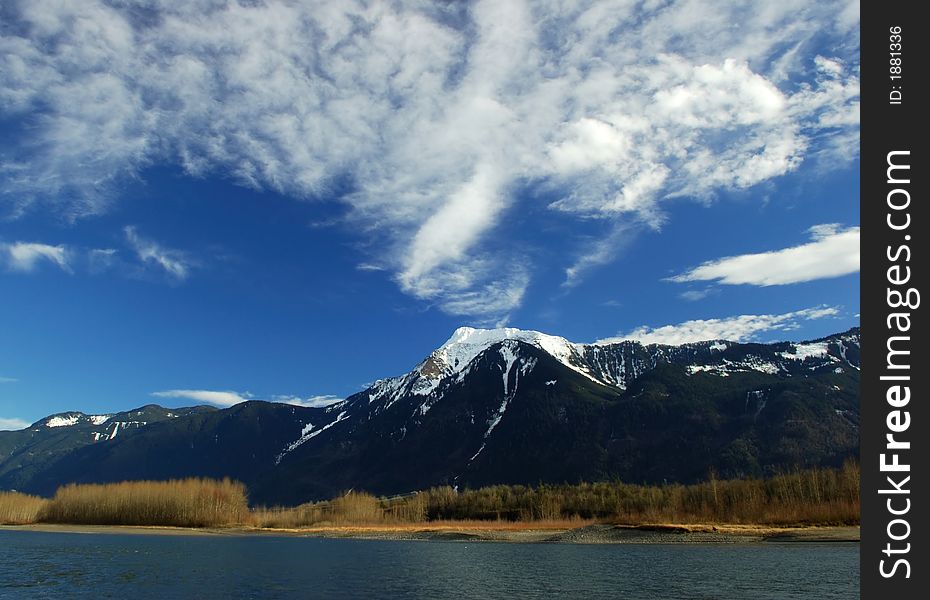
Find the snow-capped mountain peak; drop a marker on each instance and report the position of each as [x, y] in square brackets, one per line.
[468, 342]
[462, 348]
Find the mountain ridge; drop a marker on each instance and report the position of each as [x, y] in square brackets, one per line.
[494, 406]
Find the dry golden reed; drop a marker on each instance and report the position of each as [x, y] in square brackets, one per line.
[183, 503]
[351, 508]
[19, 509]
[812, 496]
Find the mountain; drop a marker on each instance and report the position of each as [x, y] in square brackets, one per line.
[490, 406]
[28, 452]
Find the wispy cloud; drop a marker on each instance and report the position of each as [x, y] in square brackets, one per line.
[369, 267]
[311, 402]
[598, 253]
[26, 256]
[225, 399]
[439, 113]
[216, 398]
[8, 380]
[833, 252]
[739, 328]
[13, 424]
[695, 295]
[174, 262]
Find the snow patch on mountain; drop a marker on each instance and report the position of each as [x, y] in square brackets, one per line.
[391, 388]
[720, 370]
[805, 351]
[63, 421]
[307, 434]
[509, 355]
[726, 367]
[508, 352]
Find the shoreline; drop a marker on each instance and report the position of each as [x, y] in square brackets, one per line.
[510, 533]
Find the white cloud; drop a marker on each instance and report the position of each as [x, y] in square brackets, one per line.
[216, 398]
[495, 298]
[225, 399]
[8, 380]
[737, 329]
[311, 402]
[833, 252]
[102, 259]
[174, 262]
[600, 252]
[25, 256]
[695, 295]
[369, 267]
[13, 424]
[438, 113]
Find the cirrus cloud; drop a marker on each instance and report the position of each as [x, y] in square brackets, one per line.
[26, 256]
[741, 328]
[174, 262]
[438, 113]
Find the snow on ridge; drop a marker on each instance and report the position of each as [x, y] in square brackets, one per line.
[306, 434]
[63, 421]
[808, 350]
[726, 367]
[106, 435]
[391, 387]
[454, 357]
[720, 370]
[70, 419]
[467, 343]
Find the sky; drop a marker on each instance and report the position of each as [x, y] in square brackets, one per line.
[220, 200]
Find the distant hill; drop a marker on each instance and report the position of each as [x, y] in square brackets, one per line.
[489, 406]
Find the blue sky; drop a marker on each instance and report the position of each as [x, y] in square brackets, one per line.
[210, 201]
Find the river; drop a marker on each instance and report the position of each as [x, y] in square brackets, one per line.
[138, 567]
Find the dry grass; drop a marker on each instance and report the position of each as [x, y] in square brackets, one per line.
[814, 496]
[350, 508]
[810, 497]
[20, 509]
[181, 503]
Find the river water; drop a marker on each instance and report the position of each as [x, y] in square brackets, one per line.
[137, 567]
